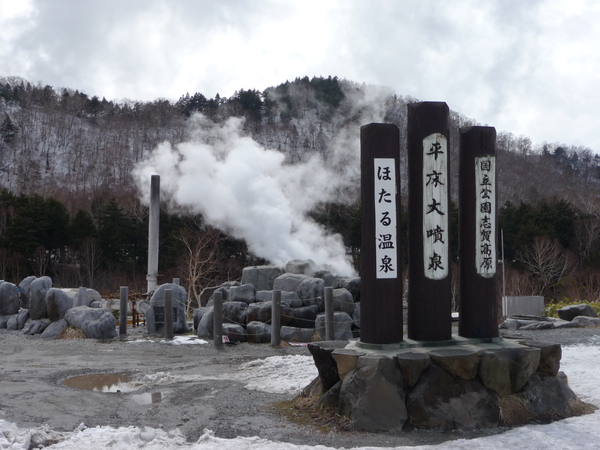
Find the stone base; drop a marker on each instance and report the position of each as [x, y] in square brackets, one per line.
[465, 386]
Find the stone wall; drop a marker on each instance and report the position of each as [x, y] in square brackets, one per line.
[247, 305]
[454, 387]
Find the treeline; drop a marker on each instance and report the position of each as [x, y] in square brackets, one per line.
[106, 246]
[551, 248]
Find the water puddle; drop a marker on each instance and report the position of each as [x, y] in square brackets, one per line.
[103, 382]
[148, 398]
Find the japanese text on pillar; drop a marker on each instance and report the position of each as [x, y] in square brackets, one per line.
[435, 204]
[485, 216]
[385, 218]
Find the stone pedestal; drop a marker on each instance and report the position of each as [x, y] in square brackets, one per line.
[466, 385]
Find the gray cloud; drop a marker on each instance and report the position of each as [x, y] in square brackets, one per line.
[525, 67]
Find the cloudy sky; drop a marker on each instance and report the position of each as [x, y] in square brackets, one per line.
[529, 67]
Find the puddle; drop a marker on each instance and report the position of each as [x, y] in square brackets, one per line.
[103, 382]
[148, 398]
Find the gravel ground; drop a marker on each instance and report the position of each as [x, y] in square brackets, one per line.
[31, 395]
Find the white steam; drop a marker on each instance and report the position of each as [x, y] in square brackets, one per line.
[247, 191]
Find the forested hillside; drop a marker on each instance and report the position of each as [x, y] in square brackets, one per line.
[71, 207]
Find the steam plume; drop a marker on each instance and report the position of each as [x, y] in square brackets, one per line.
[247, 191]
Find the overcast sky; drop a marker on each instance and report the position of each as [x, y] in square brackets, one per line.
[529, 67]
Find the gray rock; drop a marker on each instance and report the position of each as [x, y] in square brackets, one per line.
[35, 326]
[262, 277]
[584, 321]
[352, 284]
[440, 400]
[572, 311]
[261, 312]
[54, 329]
[22, 318]
[328, 278]
[288, 282]
[258, 333]
[9, 299]
[205, 326]
[11, 323]
[372, 395]
[294, 334]
[24, 288]
[57, 304]
[299, 266]
[494, 372]
[342, 325]
[235, 312]
[197, 316]
[510, 324]
[549, 398]
[37, 297]
[311, 288]
[234, 332]
[326, 364]
[329, 399]
[356, 315]
[95, 323]
[458, 362]
[538, 326]
[304, 317]
[343, 301]
[156, 310]
[550, 356]
[244, 293]
[291, 298]
[412, 365]
[565, 324]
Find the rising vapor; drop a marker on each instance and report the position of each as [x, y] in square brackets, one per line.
[247, 191]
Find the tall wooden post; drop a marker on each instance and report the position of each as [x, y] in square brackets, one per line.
[429, 294]
[153, 227]
[478, 233]
[381, 261]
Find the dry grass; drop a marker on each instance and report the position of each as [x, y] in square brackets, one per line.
[301, 411]
[513, 410]
[71, 333]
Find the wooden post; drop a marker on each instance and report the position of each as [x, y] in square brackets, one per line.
[329, 330]
[276, 319]
[168, 313]
[218, 319]
[124, 292]
[381, 259]
[478, 233]
[153, 227]
[429, 294]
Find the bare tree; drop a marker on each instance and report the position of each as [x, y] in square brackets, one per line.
[200, 262]
[89, 259]
[587, 236]
[547, 261]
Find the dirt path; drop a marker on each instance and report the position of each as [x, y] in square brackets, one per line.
[201, 388]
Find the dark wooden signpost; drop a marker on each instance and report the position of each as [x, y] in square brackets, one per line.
[429, 295]
[478, 233]
[381, 270]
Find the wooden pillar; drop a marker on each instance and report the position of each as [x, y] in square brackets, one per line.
[381, 261]
[429, 294]
[478, 233]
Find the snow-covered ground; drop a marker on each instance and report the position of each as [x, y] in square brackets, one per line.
[285, 373]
